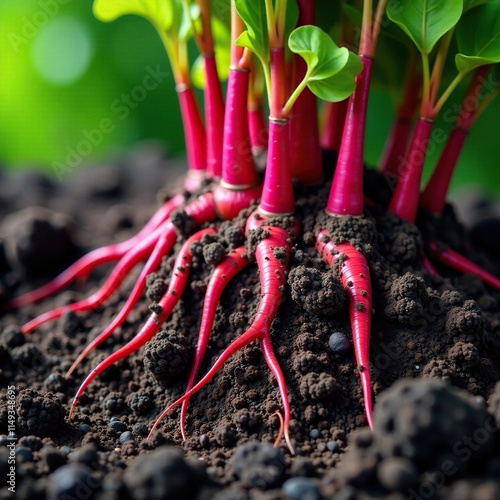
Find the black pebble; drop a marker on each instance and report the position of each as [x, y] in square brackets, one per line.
[339, 343]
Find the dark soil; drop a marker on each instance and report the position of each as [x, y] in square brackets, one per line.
[435, 355]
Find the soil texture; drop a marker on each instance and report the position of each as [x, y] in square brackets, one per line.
[435, 356]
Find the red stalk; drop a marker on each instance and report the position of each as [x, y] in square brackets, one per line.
[237, 160]
[259, 133]
[346, 194]
[272, 279]
[456, 261]
[214, 117]
[240, 183]
[195, 137]
[397, 143]
[305, 150]
[333, 125]
[233, 264]
[404, 201]
[433, 197]
[355, 277]
[167, 303]
[396, 147]
[277, 193]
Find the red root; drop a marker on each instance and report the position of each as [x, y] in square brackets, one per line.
[233, 264]
[456, 261]
[153, 324]
[355, 276]
[86, 264]
[272, 278]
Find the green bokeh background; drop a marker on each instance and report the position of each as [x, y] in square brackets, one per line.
[62, 72]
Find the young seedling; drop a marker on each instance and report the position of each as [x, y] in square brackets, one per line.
[430, 23]
[330, 73]
[478, 46]
[346, 198]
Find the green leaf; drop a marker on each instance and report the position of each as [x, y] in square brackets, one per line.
[256, 37]
[323, 57]
[292, 17]
[164, 14]
[221, 9]
[468, 4]
[425, 21]
[478, 37]
[341, 85]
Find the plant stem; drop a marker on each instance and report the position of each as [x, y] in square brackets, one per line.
[194, 131]
[404, 201]
[238, 168]
[305, 150]
[333, 124]
[433, 198]
[277, 194]
[278, 82]
[346, 194]
[214, 117]
[397, 144]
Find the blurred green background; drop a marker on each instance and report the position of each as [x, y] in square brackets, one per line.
[62, 73]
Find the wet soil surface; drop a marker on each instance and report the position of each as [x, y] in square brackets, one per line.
[435, 354]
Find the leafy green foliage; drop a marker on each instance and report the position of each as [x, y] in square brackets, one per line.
[340, 85]
[256, 37]
[331, 70]
[163, 14]
[323, 57]
[425, 21]
[469, 4]
[478, 37]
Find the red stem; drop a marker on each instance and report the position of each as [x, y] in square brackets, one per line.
[396, 147]
[238, 167]
[277, 194]
[234, 263]
[434, 195]
[195, 137]
[305, 150]
[397, 144]
[83, 266]
[355, 276]
[214, 117]
[153, 324]
[460, 263]
[333, 126]
[259, 133]
[346, 194]
[404, 201]
[278, 83]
